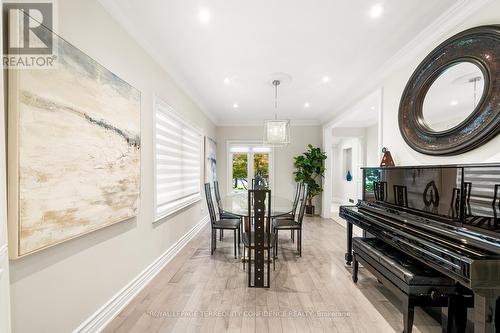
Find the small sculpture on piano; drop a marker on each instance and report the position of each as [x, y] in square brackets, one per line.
[387, 160]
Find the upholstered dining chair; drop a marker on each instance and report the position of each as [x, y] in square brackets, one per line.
[222, 213]
[221, 223]
[293, 224]
[291, 214]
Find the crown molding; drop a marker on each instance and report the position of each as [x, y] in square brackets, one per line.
[115, 10]
[250, 123]
[440, 29]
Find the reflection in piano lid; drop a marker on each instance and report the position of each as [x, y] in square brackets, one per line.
[460, 195]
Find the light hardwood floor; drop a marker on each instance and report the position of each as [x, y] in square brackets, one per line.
[197, 292]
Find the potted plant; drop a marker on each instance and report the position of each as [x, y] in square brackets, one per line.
[310, 169]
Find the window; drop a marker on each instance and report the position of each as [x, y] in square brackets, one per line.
[177, 161]
[247, 161]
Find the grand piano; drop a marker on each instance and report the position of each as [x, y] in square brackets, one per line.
[447, 217]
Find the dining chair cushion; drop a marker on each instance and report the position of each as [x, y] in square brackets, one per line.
[227, 215]
[246, 240]
[227, 224]
[285, 224]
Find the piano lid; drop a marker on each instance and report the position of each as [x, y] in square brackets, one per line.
[462, 195]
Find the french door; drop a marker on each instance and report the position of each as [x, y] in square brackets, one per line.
[246, 162]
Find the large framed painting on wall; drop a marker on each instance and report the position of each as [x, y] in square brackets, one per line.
[210, 160]
[73, 151]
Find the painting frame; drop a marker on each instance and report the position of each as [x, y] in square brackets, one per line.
[14, 189]
[210, 160]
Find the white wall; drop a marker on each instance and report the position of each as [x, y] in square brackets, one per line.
[300, 136]
[58, 288]
[364, 145]
[393, 87]
[372, 149]
[344, 190]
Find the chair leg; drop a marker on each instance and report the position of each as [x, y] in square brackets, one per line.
[299, 242]
[293, 235]
[249, 262]
[212, 242]
[408, 313]
[239, 237]
[243, 261]
[235, 255]
[221, 234]
[274, 260]
[355, 269]
[277, 241]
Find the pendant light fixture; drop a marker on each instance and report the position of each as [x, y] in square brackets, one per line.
[276, 132]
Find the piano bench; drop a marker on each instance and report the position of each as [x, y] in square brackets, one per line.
[412, 282]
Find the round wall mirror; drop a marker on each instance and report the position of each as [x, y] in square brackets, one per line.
[453, 96]
[451, 104]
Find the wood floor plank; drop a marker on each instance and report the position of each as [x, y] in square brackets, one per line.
[197, 292]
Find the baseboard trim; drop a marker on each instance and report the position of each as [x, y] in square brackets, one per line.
[102, 317]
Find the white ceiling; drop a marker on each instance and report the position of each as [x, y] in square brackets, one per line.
[364, 113]
[248, 41]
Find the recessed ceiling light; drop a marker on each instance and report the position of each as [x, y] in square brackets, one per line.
[326, 79]
[376, 11]
[454, 102]
[204, 15]
[226, 80]
[235, 105]
[306, 105]
[372, 108]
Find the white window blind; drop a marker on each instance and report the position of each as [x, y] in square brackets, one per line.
[177, 161]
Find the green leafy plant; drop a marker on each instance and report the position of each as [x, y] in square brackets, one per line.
[310, 169]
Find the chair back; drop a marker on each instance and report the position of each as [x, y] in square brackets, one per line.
[259, 223]
[296, 198]
[210, 203]
[217, 197]
[303, 203]
[259, 183]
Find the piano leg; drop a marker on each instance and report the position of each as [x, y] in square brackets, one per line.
[348, 255]
[461, 315]
[486, 320]
[408, 314]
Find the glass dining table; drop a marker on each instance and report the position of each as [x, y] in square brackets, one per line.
[237, 203]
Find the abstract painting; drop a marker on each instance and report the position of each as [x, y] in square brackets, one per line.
[74, 151]
[210, 160]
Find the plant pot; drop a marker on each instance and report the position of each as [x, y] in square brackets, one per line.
[310, 210]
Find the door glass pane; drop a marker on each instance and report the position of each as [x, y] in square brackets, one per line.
[240, 171]
[261, 168]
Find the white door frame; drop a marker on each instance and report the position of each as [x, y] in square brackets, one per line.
[229, 165]
[328, 143]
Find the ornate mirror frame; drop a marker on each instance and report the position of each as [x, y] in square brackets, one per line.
[480, 46]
